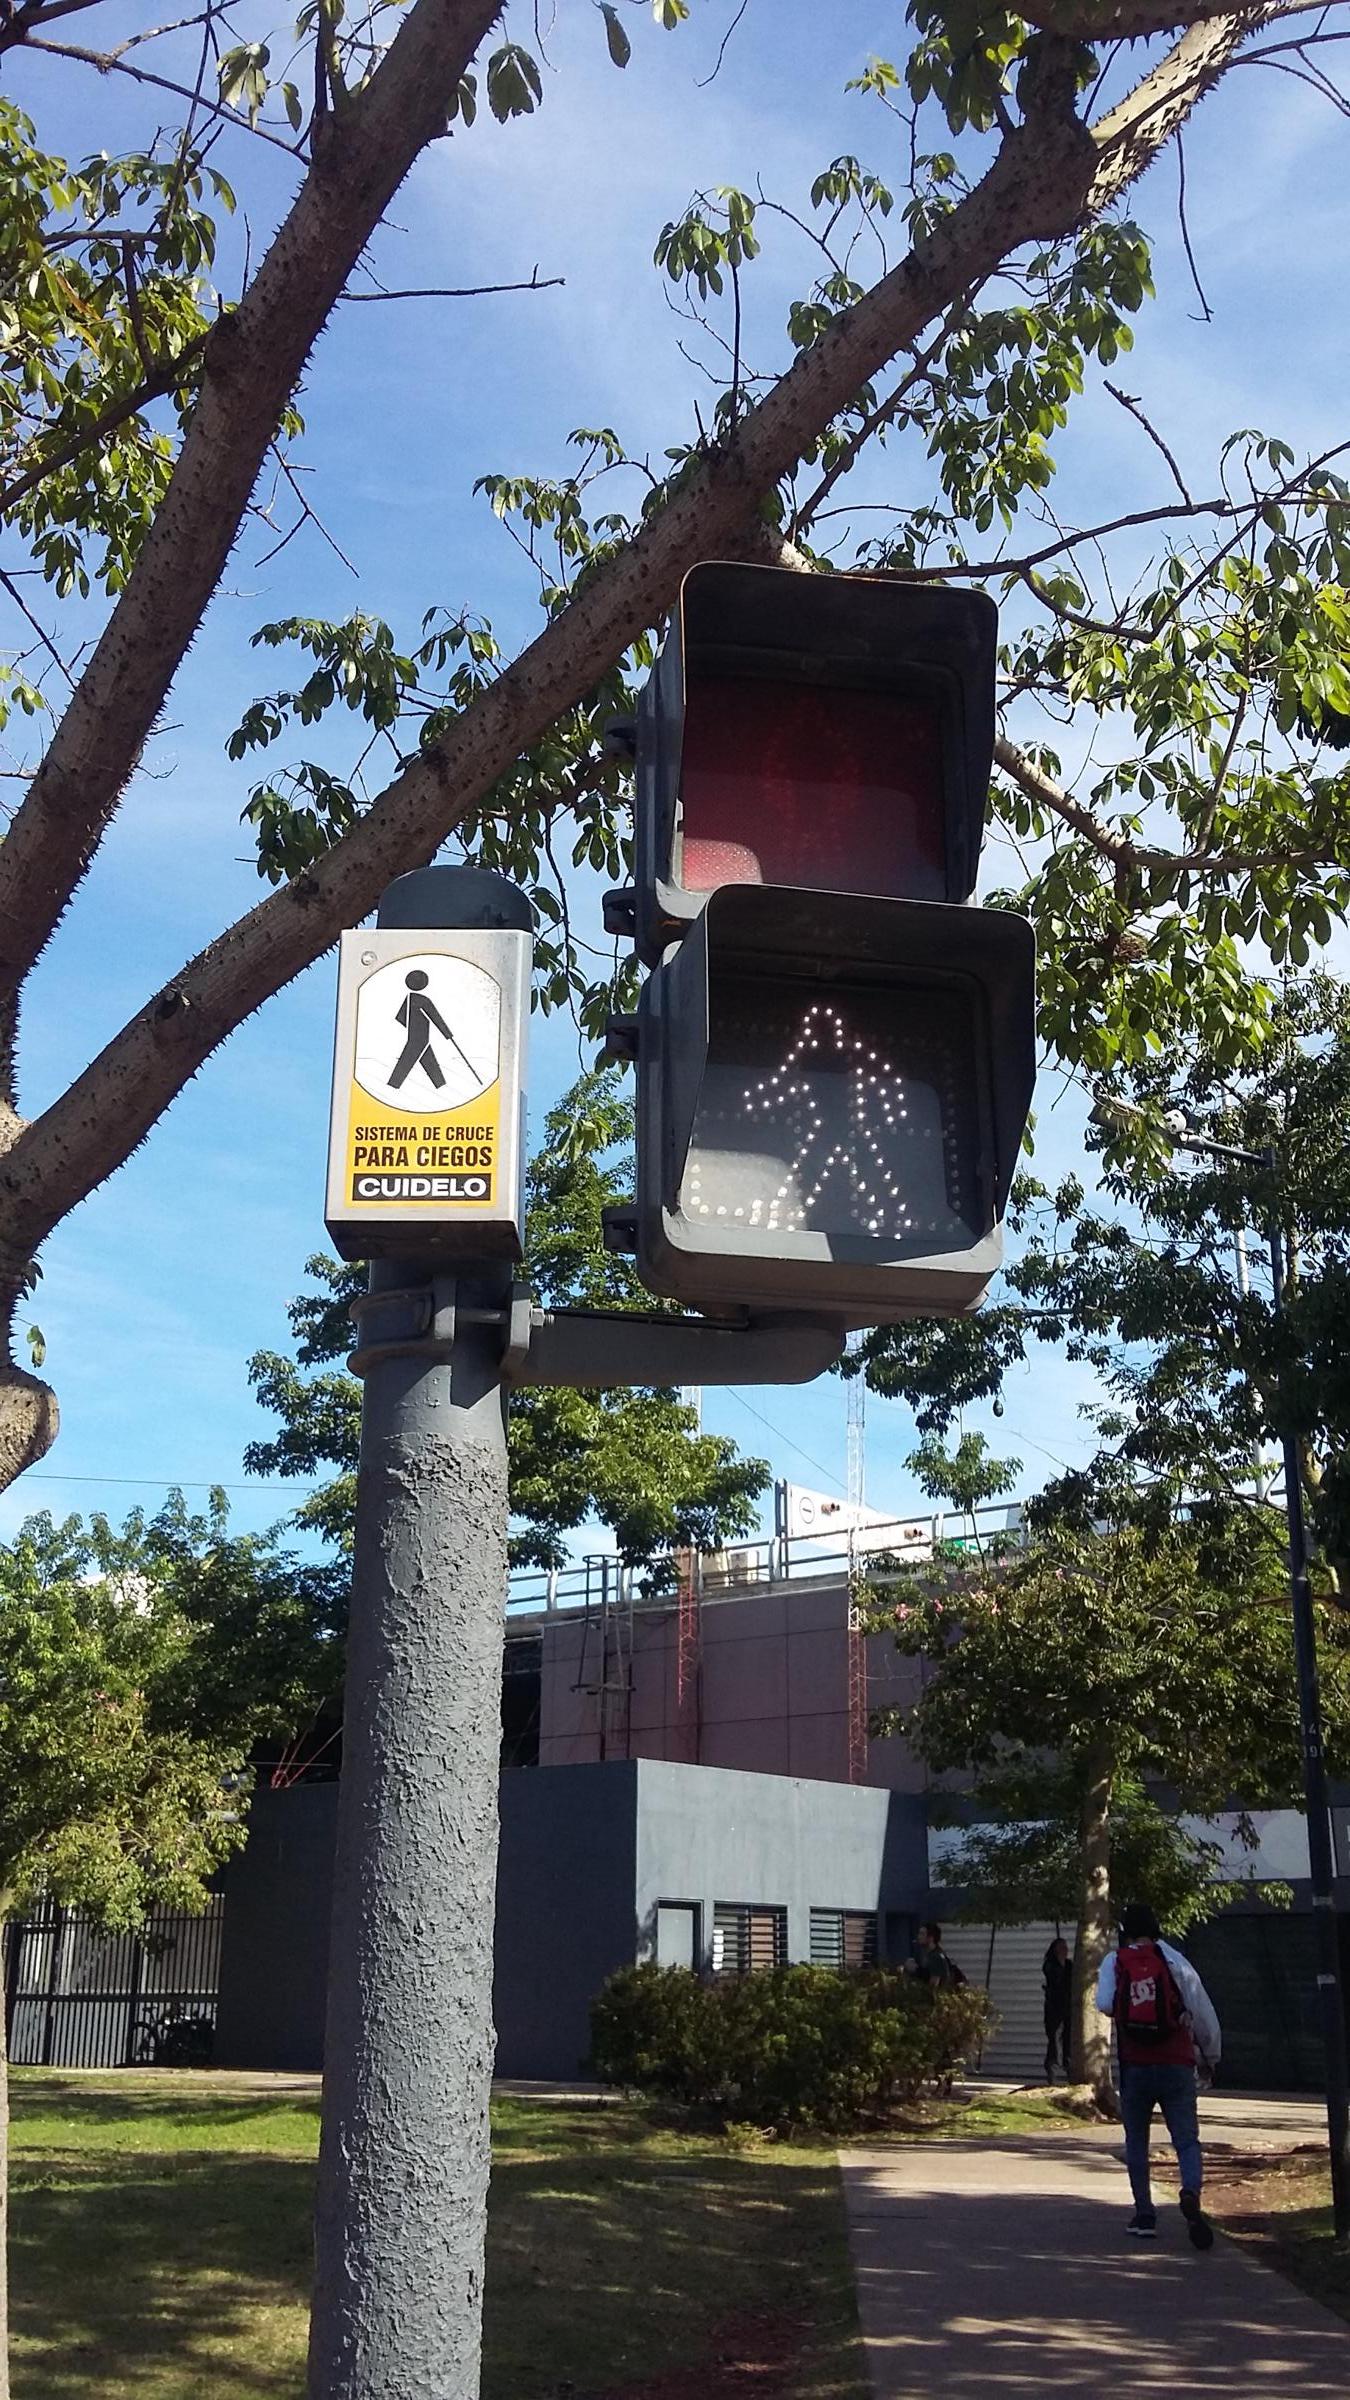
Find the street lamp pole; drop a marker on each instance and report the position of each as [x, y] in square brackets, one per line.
[1321, 1855]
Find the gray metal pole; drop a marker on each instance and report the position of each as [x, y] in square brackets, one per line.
[1321, 1856]
[403, 2164]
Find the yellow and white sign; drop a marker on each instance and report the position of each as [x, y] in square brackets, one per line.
[425, 1150]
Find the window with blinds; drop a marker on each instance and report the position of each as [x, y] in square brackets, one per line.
[843, 1937]
[747, 1939]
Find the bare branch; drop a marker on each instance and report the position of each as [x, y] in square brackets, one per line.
[1224, 505]
[1219, 865]
[1186, 231]
[43, 636]
[705, 80]
[308, 516]
[1136, 411]
[107, 62]
[466, 291]
[1308, 73]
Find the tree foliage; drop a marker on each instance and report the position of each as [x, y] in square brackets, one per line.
[1096, 1689]
[1163, 1290]
[957, 293]
[137, 1670]
[634, 1459]
[1167, 1640]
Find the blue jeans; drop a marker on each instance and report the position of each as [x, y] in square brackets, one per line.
[1175, 2092]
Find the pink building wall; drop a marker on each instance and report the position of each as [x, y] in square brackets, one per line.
[770, 1696]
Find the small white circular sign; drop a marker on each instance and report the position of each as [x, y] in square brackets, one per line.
[428, 1033]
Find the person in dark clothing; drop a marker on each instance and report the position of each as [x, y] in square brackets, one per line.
[931, 1963]
[1057, 1970]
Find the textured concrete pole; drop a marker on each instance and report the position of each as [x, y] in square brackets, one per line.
[404, 2159]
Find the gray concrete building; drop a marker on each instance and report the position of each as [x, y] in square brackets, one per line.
[608, 1861]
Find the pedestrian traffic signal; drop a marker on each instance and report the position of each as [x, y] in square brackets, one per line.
[827, 733]
[835, 1054]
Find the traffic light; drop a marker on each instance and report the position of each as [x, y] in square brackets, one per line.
[835, 1053]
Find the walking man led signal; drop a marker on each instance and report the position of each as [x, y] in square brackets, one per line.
[418, 1015]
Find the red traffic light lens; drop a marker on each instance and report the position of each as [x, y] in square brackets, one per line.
[811, 785]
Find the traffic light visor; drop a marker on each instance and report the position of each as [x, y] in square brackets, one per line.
[827, 732]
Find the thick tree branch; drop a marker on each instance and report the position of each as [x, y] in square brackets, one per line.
[1048, 176]
[19, 25]
[1136, 20]
[1043, 791]
[1132, 133]
[253, 360]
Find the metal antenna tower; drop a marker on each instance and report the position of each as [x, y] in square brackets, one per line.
[856, 1388]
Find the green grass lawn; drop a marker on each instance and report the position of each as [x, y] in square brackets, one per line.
[161, 2250]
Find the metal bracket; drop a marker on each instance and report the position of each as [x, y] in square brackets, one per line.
[594, 1349]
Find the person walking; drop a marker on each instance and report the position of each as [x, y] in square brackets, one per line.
[1057, 1971]
[1165, 2029]
[931, 1963]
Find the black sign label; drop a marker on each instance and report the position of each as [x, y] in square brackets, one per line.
[474, 1188]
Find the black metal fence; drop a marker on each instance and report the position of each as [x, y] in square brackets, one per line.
[76, 1996]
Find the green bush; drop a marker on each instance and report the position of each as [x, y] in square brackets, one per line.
[793, 2046]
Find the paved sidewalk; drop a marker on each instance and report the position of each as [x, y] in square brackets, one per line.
[1002, 2271]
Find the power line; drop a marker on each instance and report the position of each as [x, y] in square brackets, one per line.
[780, 1436]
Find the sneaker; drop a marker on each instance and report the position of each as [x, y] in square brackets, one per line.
[1197, 2223]
[1144, 2225]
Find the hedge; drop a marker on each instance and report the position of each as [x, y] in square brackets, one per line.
[788, 2046]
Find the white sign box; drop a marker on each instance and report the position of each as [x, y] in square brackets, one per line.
[426, 1144]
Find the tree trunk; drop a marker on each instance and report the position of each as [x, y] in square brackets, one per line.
[1091, 2030]
[28, 1411]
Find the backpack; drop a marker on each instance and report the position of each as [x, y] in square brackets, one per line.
[1148, 2006]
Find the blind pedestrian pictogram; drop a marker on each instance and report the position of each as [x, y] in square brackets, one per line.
[428, 1032]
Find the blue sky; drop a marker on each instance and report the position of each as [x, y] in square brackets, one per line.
[159, 1288]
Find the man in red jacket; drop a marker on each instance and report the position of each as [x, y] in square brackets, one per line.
[1165, 2027]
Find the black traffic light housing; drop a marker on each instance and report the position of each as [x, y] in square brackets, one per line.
[835, 1054]
[833, 732]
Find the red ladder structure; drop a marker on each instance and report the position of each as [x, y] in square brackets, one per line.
[857, 1696]
[688, 1655]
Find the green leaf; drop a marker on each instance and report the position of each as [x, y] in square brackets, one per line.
[620, 48]
[514, 84]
